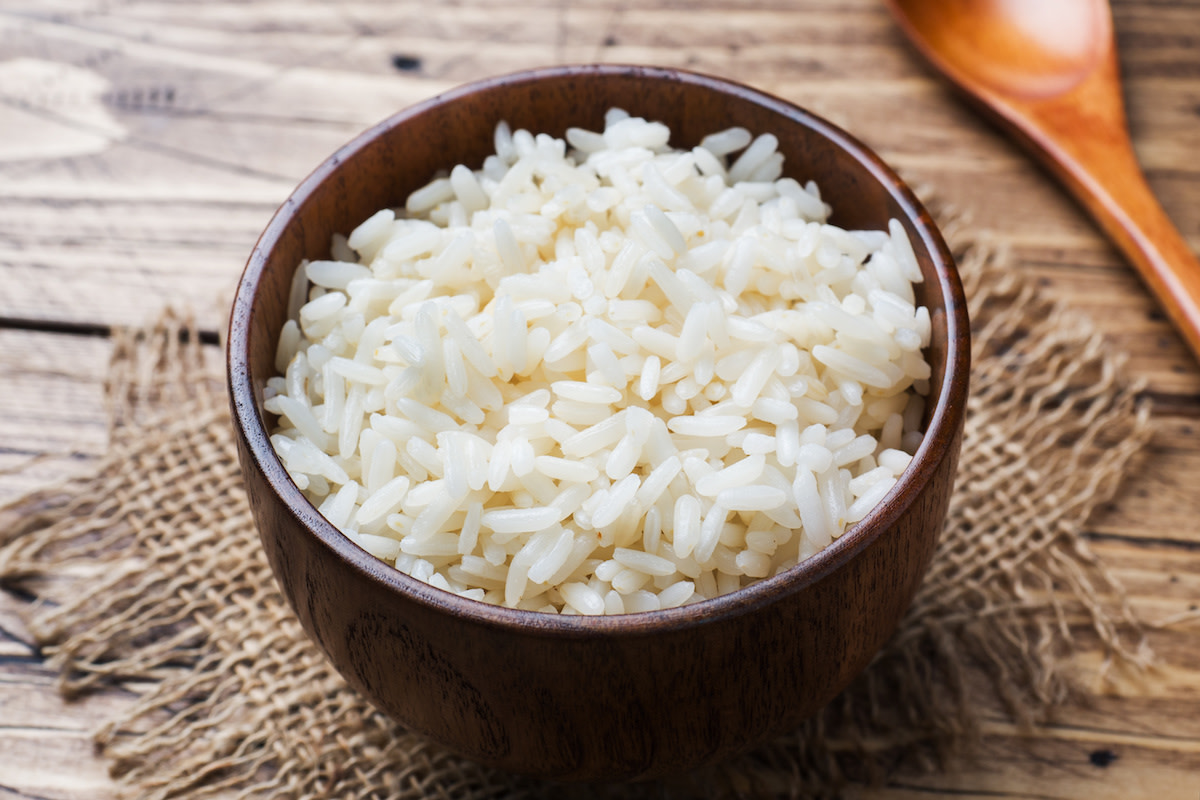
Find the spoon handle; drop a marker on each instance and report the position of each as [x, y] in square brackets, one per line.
[1109, 183]
[1082, 137]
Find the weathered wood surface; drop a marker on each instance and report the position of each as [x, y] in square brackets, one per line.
[143, 146]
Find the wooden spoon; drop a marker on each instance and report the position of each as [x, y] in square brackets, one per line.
[1047, 71]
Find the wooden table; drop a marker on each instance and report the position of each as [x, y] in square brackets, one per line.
[143, 145]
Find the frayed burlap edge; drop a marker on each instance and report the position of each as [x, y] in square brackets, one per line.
[241, 704]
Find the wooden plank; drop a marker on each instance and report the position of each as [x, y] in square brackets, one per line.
[1136, 736]
[52, 765]
[46, 747]
[1159, 501]
[1067, 761]
[52, 417]
[1061, 766]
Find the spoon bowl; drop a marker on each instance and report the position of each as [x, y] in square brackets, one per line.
[1059, 44]
[1048, 74]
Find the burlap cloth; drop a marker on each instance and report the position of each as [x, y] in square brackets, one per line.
[235, 701]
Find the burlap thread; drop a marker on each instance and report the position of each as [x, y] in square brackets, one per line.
[240, 703]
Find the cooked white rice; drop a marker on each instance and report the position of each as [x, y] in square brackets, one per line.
[601, 375]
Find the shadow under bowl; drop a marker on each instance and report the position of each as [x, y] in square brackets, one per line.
[571, 697]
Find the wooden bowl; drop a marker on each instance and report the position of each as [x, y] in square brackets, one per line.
[571, 697]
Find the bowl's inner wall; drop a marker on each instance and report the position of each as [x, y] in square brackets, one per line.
[409, 150]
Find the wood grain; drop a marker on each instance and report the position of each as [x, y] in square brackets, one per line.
[52, 417]
[221, 107]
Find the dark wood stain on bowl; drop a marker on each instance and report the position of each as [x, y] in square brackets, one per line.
[381, 646]
[595, 698]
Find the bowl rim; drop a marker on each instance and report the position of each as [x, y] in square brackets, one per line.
[944, 421]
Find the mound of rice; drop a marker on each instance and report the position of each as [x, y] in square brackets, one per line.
[602, 375]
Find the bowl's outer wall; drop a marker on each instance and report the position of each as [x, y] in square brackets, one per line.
[641, 699]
